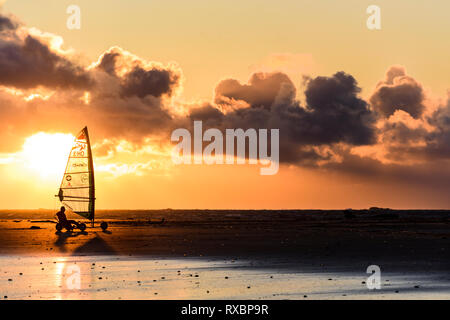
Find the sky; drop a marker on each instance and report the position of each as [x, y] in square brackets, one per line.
[363, 114]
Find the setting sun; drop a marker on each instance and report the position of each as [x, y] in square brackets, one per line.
[46, 154]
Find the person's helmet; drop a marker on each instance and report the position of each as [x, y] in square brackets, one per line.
[63, 209]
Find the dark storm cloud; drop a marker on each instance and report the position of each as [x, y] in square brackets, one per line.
[156, 82]
[129, 100]
[108, 62]
[141, 80]
[336, 113]
[398, 91]
[29, 62]
[333, 114]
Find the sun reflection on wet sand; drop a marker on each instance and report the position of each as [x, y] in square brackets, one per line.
[59, 282]
[114, 277]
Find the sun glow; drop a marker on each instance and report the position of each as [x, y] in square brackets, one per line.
[46, 154]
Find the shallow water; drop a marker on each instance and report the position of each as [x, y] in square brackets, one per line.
[115, 277]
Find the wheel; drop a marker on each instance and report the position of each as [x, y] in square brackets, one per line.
[59, 226]
[82, 226]
[104, 225]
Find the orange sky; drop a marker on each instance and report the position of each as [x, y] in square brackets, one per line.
[397, 156]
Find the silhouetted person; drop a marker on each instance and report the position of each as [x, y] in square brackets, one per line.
[63, 219]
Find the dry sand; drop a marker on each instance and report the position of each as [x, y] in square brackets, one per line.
[228, 254]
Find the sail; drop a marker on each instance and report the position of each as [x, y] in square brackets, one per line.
[77, 191]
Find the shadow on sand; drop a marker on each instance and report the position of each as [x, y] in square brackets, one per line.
[95, 245]
[64, 236]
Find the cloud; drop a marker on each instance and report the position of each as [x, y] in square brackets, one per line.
[398, 91]
[337, 113]
[7, 23]
[139, 78]
[404, 140]
[438, 145]
[44, 89]
[333, 113]
[123, 97]
[261, 91]
[28, 62]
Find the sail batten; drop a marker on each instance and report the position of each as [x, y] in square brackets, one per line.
[77, 190]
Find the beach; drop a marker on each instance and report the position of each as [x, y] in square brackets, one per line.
[219, 254]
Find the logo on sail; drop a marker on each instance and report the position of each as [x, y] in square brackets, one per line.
[84, 178]
[79, 165]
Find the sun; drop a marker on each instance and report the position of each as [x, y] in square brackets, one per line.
[46, 153]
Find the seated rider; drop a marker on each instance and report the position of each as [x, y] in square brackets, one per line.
[63, 219]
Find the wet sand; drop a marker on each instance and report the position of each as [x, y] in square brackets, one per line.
[263, 254]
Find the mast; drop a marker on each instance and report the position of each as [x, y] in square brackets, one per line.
[91, 178]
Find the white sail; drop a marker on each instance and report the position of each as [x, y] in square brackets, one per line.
[77, 191]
